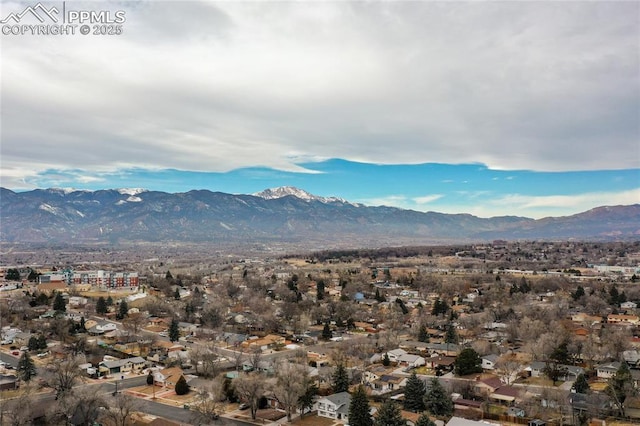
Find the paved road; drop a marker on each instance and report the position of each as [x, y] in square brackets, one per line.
[179, 414]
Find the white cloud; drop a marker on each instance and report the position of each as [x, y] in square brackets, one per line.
[400, 201]
[541, 206]
[214, 86]
[427, 199]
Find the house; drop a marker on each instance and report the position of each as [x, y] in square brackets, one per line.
[388, 383]
[442, 363]
[447, 349]
[411, 361]
[267, 342]
[585, 318]
[135, 364]
[375, 372]
[487, 385]
[188, 328]
[167, 377]
[628, 305]
[623, 319]
[537, 369]
[489, 362]
[508, 394]
[8, 382]
[101, 328]
[335, 406]
[592, 403]
[608, 370]
[395, 354]
[76, 301]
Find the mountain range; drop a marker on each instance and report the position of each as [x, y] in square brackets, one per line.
[284, 214]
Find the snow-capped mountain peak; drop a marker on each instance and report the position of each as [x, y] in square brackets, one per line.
[284, 191]
[131, 191]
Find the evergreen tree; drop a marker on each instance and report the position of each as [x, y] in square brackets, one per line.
[41, 342]
[340, 379]
[307, 399]
[389, 415]
[359, 409]
[326, 331]
[402, 306]
[101, 306]
[423, 334]
[109, 301]
[414, 393]
[581, 385]
[174, 330]
[320, 290]
[451, 336]
[182, 388]
[82, 328]
[12, 275]
[578, 293]
[468, 362]
[379, 297]
[439, 307]
[59, 305]
[561, 353]
[123, 310]
[386, 361]
[33, 343]
[150, 379]
[613, 295]
[176, 294]
[168, 275]
[424, 420]
[437, 400]
[26, 367]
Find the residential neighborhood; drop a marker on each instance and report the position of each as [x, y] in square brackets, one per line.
[548, 339]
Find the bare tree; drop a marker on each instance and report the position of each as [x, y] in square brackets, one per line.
[133, 323]
[250, 387]
[290, 385]
[121, 407]
[20, 410]
[209, 401]
[255, 357]
[508, 367]
[205, 359]
[63, 375]
[238, 356]
[86, 405]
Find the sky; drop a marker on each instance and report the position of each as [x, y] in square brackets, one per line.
[489, 108]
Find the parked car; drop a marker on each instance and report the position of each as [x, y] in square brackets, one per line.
[6, 342]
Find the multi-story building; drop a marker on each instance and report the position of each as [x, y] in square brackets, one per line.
[100, 279]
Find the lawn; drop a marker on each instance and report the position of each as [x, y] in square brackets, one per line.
[313, 420]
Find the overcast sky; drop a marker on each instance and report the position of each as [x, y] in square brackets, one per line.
[218, 95]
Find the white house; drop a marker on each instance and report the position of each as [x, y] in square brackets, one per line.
[395, 354]
[629, 305]
[410, 360]
[335, 406]
[388, 383]
[608, 370]
[489, 361]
